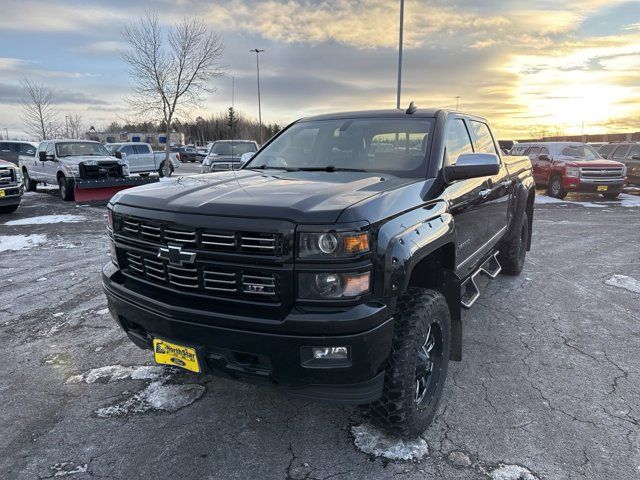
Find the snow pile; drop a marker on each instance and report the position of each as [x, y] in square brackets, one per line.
[512, 472]
[47, 219]
[156, 396]
[64, 469]
[112, 373]
[372, 441]
[20, 242]
[624, 200]
[622, 281]
[627, 200]
[104, 311]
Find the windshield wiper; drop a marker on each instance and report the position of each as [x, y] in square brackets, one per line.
[266, 167]
[330, 168]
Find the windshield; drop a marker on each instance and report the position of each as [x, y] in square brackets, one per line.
[235, 149]
[72, 149]
[380, 145]
[583, 152]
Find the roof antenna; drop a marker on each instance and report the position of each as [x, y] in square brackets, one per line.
[412, 109]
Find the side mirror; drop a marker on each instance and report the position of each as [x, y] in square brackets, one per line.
[120, 154]
[544, 157]
[42, 156]
[473, 165]
[635, 157]
[245, 157]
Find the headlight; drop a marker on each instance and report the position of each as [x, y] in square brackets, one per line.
[330, 285]
[72, 170]
[624, 170]
[573, 172]
[18, 175]
[332, 244]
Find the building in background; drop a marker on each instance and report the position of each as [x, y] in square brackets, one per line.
[155, 139]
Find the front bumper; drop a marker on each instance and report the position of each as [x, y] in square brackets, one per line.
[583, 185]
[277, 358]
[12, 195]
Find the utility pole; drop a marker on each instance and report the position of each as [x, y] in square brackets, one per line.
[400, 53]
[457, 102]
[258, 52]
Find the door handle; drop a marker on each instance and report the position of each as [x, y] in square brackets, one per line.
[506, 183]
[484, 193]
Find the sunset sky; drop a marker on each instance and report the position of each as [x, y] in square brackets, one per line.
[522, 64]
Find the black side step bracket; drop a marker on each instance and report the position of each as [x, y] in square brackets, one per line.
[469, 289]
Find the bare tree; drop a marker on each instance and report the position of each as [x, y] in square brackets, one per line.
[74, 126]
[170, 74]
[37, 110]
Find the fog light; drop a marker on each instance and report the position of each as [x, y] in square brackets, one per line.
[330, 353]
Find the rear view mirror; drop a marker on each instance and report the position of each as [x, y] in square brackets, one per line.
[42, 155]
[635, 157]
[473, 165]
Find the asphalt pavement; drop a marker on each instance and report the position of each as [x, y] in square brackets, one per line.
[548, 387]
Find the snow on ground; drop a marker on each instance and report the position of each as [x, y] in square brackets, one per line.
[64, 469]
[112, 373]
[372, 441]
[512, 472]
[20, 242]
[625, 282]
[47, 219]
[156, 396]
[624, 200]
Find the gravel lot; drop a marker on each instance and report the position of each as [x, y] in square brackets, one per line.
[549, 385]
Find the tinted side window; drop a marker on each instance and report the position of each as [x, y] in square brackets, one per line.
[4, 147]
[42, 146]
[457, 142]
[51, 148]
[27, 149]
[11, 147]
[621, 151]
[484, 140]
[143, 149]
[605, 149]
[635, 151]
[544, 151]
[533, 153]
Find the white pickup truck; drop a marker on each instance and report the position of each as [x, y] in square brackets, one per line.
[141, 158]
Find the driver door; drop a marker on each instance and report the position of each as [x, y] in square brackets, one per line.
[50, 166]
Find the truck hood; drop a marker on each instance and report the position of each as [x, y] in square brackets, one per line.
[301, 197]
[576, 162]
[77, 160]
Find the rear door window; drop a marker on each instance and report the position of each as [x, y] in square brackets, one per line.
[27, 149]
[635, 151]
[534, 152]
[127, 149]
[457, 141]
[605, 149]
[142, 149]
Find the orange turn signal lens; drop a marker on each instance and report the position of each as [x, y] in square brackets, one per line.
[358, 243]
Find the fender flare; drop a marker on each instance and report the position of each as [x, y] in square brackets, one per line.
[416, 235]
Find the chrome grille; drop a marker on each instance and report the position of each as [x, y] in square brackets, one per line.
[7, 176]
[256, 243]
[601, 173]
[203, 278]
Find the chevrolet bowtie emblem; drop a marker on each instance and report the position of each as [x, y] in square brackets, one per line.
[175, 255]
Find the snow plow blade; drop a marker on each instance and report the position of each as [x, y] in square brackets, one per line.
[98, 192]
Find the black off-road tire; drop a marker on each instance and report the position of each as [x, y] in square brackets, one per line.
[513, 249]
[161, 170]
[420, 312]
[66, 190]
[9, 208]
[611, 196]
[555, 188]
[29, 185]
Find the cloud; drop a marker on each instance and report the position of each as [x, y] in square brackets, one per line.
[103, 47]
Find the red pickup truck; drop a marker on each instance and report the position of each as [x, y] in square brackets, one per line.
[565, 167]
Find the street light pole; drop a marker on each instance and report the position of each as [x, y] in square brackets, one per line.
[258, 52]
[400, 53]
[457, 102]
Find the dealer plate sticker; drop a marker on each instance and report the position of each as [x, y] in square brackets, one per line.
[167, 353]
[602, 188]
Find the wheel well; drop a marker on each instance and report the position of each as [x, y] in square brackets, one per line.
[425, 272]
[59, 175]
[437, 271]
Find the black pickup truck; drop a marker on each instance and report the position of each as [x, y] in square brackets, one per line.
[334, 264]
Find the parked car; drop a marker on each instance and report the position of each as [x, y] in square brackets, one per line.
[316, 268]
[507, 145]
[10, 150]
[565, 167]
[186, 154]
[627, 153]
[227, 154]
[11, 188]
[77, 165]
[202, 153]
[141, 158]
